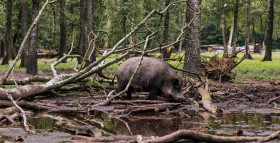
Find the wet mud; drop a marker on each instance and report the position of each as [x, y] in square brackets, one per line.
[245, 112]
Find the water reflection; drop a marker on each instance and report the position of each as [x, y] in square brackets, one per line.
[159, 124]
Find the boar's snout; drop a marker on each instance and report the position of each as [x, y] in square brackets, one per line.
[179, 97]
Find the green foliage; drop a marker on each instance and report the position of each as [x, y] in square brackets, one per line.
[256, 69]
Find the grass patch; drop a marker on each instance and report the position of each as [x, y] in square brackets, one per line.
[251, 69]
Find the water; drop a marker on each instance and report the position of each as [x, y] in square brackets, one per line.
[152, 124]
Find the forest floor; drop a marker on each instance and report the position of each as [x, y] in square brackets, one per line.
[244, 105]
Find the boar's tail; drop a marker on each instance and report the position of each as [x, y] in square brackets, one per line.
[112, 83]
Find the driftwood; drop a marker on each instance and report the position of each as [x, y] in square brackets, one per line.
[206, 101]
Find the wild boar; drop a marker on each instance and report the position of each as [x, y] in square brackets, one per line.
[154, 76]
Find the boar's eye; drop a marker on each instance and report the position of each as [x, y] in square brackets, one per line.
[175, 82]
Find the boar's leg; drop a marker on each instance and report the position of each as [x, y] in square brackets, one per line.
[153, 94]
[129, 92]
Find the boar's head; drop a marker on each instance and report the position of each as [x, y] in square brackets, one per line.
[172, 89]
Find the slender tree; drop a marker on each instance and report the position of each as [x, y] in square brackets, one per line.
[51, 46]
[165, 30]
[123, 21]
[223, 25]
[247, 35]
[261, 37]
[89, 33]
[24, 27]
[254, 36]
[31, 58]
[62, 46]
[235, 26]
[192, 46]
[8, 34]
[268, 50]
[82, 29]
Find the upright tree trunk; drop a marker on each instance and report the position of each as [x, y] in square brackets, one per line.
[235, 26]
[165, 30]
[82, 30]
[51, 46]
[62, 47]
[24, 27]
[223, 25]
[8, 35]
[268, 50]
[89, 33]
[247, 36]
[254, 36]
[123, 22]
[230, 36]
[2, 48]
[192, 46]
[261, 35]
[31, 67]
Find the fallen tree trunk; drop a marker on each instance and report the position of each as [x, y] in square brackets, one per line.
[178, 135]
[197, 136]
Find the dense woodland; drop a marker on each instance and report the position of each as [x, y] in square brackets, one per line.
[222, 22]
[100, 35]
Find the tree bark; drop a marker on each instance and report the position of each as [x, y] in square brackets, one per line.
[230, 36]
[89, 33]
[247, 36]
[8, 35]
[254, 36]
[2, 48]
[268, 50]
[31, 67]
[223, 25]
[235, 26]
[82, 30]
[165, 30]
[51, 46]
[24, 27]
[123, 22]
[261, 35]
[62, 47]
[192, 46]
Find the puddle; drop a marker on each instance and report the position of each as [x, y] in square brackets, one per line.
[156, 124]
[42, 137]
[151, 124]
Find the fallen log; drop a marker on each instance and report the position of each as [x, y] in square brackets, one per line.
[176, 136]
[197, 136]
[206, 102]
[28, 105]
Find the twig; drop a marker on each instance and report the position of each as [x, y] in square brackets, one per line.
[187, 71]
[14, 78]
[62, 59]
[272, 100]
[26, 127]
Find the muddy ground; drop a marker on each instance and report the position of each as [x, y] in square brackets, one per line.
[244, 111]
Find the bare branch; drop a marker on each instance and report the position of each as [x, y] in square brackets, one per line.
[26, 127]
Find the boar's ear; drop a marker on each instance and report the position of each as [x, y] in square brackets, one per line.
[175, 82]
